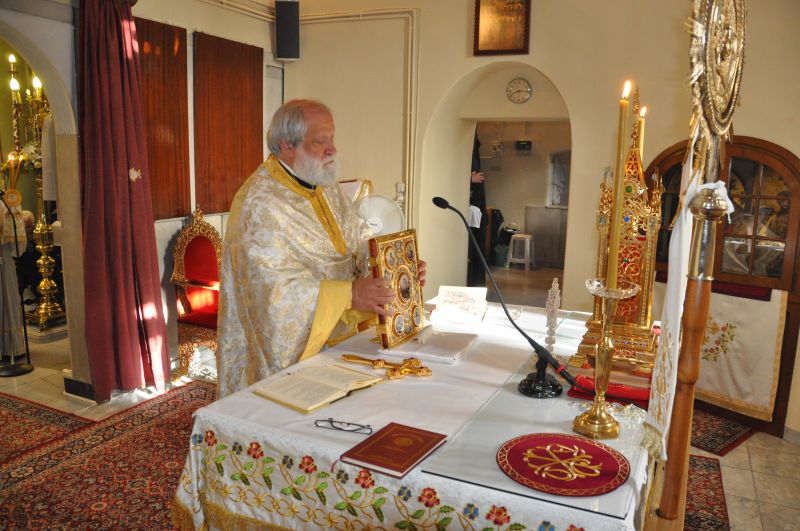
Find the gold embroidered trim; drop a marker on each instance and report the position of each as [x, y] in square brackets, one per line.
[651, 440]
[740, 406]
[182, 516]
[220, 518]
[317, 199]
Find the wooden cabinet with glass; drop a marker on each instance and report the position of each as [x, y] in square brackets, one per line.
[756, 250]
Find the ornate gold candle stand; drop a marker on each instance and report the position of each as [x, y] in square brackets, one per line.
[632, 325]
[597, 423]
[48, 310]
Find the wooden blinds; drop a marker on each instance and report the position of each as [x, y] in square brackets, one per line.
[228, 118]
[162, 50]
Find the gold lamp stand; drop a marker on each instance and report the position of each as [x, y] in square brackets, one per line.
[597, 423]
[48, 310]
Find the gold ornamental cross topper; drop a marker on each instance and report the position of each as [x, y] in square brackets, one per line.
[408, 367]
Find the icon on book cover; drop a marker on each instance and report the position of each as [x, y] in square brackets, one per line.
[394, 257]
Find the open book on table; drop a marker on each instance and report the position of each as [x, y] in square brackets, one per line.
[311, 388]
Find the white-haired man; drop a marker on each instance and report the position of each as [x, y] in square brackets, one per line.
[293, 260]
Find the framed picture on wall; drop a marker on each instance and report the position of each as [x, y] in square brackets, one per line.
[502, 27]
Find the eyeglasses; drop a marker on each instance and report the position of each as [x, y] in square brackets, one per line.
[330, 424]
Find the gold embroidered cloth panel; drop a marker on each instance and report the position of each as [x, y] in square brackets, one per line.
[281, 240]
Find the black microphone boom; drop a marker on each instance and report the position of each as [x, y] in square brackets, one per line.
[540, 385]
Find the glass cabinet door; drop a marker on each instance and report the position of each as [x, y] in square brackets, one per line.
[758, 242]
[757, 245]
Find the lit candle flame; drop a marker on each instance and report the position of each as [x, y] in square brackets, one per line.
[626, 90]
[14, 85]
[643, 112]
[12, 58]
[37, 83]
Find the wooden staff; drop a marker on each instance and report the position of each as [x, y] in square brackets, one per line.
[707, 207]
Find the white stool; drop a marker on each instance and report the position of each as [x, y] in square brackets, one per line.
[527, 256]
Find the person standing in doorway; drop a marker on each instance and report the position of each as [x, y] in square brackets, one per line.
[477, 218]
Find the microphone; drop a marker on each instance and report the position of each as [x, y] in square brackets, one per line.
[540, 385]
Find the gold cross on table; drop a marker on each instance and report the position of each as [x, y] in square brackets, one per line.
[409, 366]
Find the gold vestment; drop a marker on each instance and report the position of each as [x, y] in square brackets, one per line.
[289, 257]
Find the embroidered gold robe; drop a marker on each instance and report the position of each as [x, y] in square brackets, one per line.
[289, 257]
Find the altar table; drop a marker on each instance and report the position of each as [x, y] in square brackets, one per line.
[255, 464]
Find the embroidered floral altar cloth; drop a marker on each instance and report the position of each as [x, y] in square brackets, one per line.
[255, 464]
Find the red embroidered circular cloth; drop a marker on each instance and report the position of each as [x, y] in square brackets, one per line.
[568, 465]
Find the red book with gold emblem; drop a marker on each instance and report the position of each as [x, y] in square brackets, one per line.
[394, 449]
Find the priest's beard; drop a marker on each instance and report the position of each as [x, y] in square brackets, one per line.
[313, 170]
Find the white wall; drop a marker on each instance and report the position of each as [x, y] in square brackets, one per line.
[587, 50]
[516, 179]
[363, 82]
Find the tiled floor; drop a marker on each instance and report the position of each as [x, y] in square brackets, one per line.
[45, 384]
[523, 287]
[760, 476]
[762, 490]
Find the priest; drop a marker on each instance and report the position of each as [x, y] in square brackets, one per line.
[293, 269]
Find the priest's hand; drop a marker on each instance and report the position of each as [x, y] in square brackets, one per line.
[370, 294]
[422, 272]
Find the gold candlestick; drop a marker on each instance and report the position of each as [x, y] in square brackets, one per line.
[48, 308]
[597, 423]
[616, 207]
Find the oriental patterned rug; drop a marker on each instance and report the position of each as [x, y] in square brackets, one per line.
[705, 498]
[717, 435]
[25, 424]
[118, 473]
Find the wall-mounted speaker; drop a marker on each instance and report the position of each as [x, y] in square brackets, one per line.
[287, 30]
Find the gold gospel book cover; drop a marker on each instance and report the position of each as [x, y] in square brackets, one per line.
[394, 257]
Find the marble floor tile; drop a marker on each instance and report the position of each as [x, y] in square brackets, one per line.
[118, 403]
[16, 381]
[776, 463]
[779, 518]
[46, 393]
[743, 514]
[738, 482]
[772, 443]
[776, 490]
[739, 457]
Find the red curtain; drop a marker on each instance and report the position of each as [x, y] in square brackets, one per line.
[125, 329]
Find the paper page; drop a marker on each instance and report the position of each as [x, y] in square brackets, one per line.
[458, 304]
[338, 377]
[296, 391]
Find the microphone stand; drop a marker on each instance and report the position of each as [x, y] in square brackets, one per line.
[539, 384]
[14, 368]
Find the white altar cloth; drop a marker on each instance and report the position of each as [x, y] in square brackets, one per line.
[253, 463]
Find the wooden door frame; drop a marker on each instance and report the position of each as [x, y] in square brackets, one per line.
[792, 317]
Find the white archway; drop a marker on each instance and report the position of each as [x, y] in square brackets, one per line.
[67, 231]
[446, 155]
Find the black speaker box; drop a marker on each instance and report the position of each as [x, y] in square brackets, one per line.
[287, 30]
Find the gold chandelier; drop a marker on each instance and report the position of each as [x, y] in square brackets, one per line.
[27, 119]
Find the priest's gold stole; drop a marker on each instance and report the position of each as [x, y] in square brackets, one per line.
[394, 257]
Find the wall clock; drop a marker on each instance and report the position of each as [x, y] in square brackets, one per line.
[519, 90]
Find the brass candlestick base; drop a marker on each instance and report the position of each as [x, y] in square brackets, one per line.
[597, 423]
[48, 310]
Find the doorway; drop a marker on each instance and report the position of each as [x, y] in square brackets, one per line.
[526, 169]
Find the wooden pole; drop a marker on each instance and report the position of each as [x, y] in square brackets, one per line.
[695, 315]
[708, 207]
